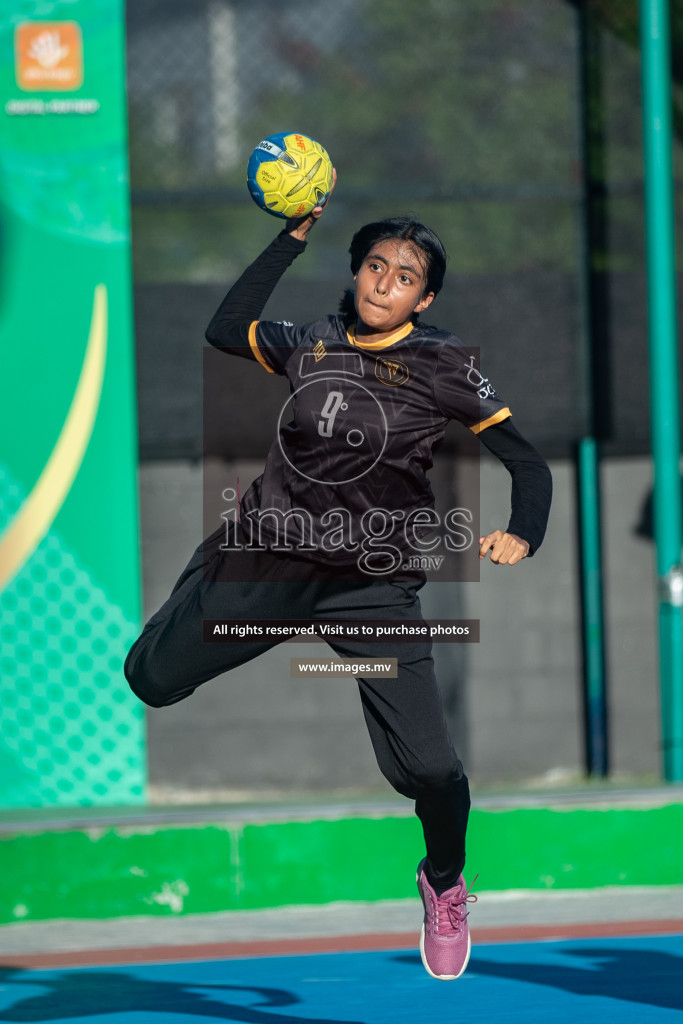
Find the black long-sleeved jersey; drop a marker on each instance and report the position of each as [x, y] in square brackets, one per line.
[355, 440]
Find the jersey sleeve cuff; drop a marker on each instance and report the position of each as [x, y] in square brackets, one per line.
[497, 417]
[253, 345]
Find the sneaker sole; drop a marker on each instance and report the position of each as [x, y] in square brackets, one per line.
[441, 977]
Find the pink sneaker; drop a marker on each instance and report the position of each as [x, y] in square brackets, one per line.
[445, 937]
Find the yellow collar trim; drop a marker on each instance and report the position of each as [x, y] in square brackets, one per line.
[398, 335]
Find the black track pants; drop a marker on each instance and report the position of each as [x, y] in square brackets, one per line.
[404, 716]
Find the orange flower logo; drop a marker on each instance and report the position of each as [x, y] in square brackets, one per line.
[49, 55]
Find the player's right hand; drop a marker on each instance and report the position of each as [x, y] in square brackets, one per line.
[299, 227]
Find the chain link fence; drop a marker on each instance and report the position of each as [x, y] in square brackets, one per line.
[466, 114]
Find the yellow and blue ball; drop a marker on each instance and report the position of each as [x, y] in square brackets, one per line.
[289, 174]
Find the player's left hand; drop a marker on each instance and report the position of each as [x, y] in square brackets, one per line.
[505, 548]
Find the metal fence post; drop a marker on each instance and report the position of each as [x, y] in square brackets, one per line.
[664, 400]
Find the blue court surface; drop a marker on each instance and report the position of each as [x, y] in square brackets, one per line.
[585, 980]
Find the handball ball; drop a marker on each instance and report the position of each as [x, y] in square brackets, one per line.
[289, 174]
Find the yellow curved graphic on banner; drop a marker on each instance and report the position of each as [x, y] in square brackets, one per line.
[38, 511]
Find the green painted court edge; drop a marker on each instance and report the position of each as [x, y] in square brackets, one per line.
[159, 870]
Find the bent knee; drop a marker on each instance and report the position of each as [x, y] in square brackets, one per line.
[142, 687]
[148, 686]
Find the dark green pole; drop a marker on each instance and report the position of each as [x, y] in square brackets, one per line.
[664, 402]
[592, 616]
[596, 409]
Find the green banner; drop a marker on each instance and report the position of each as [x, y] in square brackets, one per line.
[71, 733]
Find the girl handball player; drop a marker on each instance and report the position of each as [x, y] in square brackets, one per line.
[327, 530]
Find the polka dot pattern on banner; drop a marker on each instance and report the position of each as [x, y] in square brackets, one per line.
[72, 733]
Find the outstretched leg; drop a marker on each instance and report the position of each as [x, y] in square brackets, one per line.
[407, 724]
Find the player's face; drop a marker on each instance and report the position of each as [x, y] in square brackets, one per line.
[390, 287]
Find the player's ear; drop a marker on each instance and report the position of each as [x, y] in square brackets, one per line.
[425, 301]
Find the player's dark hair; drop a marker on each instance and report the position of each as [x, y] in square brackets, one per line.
[406, 229]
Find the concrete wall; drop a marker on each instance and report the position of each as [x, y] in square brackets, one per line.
[513, 700]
